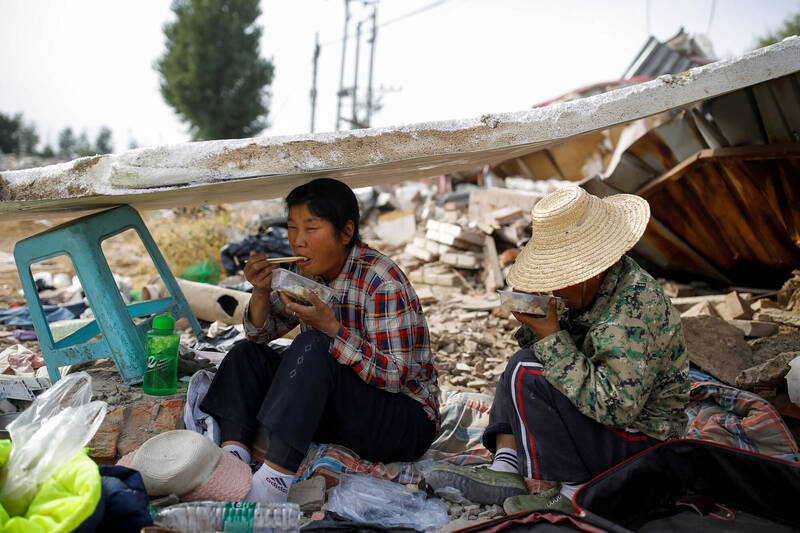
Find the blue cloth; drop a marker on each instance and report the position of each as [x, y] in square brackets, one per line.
[123, 506]
[21, 316]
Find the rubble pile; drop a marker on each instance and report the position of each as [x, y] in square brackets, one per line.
[456, 243]
[459, 254]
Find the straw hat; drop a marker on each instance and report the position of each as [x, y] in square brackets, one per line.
[186, 464]
[576, 235]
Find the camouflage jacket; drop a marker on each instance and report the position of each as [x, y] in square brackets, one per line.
[624, 361]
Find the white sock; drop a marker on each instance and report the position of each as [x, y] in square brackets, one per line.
[269, 486]
[569, 489]
[239, 452]
[505, 460]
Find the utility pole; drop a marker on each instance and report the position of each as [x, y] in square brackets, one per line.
[341, 72]
[368, 121]
[354, 120]
[314, 81]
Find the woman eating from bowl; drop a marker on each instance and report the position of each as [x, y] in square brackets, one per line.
[360, 374]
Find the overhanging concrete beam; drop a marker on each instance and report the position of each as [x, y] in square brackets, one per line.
[214, 172]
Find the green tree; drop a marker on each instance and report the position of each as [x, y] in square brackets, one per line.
[84, 147]
[103, 143]
[16, 136]
[28, 139]
[67, 143]
[211, 72]
[48, 151]
[789, 27]
[9, 133]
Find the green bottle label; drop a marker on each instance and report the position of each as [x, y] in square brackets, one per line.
[238, 517]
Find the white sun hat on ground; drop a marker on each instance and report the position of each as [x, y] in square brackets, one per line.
[576, 235]
[189, 465]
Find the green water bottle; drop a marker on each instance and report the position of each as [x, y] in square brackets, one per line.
[161, 365]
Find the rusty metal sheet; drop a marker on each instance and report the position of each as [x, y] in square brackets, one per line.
[718, 203]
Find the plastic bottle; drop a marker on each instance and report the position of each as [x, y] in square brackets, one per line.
[161, 366]
[241, 517]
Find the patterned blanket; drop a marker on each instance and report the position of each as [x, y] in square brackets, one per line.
[737, 418]
[717, 412]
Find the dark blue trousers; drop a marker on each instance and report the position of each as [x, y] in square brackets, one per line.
[304, 395]
[555, 441]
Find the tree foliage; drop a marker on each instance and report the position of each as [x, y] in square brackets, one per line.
[17, 137]
[789, 27]
[211, 72]
[103, 144]
[67, 143]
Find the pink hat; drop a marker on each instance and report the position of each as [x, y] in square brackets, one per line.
[186, 464]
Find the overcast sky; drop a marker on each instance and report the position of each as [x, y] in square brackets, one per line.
[88, 63]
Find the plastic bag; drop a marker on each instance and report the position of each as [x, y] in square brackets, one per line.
[365, 498]
[793, 380]
[273, 240]
[205, 271]
[46, 436]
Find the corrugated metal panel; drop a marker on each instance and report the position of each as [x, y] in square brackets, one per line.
[656, 58]
[737, 207]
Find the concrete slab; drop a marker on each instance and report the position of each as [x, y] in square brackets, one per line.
[214, 172]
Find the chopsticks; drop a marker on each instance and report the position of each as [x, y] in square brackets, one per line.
[291, 259]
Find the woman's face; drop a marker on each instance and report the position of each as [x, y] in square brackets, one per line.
[317, 239]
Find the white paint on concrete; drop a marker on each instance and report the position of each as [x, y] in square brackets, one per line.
[213, 172]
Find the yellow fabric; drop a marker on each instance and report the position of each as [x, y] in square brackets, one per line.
[5, 451]
[62, 503]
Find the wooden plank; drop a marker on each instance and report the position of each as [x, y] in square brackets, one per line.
[679, 208]
[729, 209]
[494, 275]
[766, 233]
[749, 153]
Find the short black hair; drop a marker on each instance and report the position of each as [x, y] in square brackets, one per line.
[328, 199]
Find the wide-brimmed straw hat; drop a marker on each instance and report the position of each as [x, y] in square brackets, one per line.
[576, 235]
[186, 464]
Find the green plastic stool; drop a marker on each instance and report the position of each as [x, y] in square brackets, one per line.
[122, 340]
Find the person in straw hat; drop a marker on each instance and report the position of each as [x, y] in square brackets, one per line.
[595, 386]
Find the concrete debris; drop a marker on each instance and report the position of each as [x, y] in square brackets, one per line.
[789, 295]
[768, 374]
[779, 315]
[435, 275]
[453, 235]
[308, 494]
[396, 227]
[764, 303]
[483, 204]
[676, 290]
[754, 328]
[700, 309]
[769, 347]
[734, 307]
[463, 259]
[717, 347]
[506, 215]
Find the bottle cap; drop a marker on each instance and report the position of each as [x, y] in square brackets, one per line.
[164, 322]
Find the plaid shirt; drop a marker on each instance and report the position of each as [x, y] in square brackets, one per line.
[383, 334]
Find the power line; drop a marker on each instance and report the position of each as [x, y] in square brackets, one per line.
[430, 6]
[411, 14]
[711, 16]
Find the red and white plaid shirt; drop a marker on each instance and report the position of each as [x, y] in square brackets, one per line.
[383, 336]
